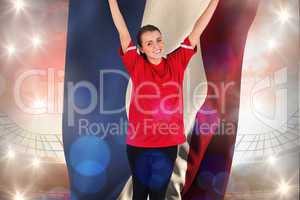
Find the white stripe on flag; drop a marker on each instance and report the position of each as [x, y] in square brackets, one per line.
[131, 48]
[186, 46]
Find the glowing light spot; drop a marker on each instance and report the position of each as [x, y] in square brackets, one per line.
[283, 188]
[89, 184]
[218, 181]
[10, 49]
[11, 154]
[36, 162]
[36, 41]
[19, 196]
[39, 103]
[89, 156]
[272, 44]
[205, 179]
[284, 16]
[271, 160]
[18, 5]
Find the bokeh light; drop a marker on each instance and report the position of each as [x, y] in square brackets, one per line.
[272, 44]
[36, 162]
[18, 5]
[11, 154]
[19, 196]
[284, 15]
[283, 188]
[38, 103]
[10, 50]
[36, 41]
[271, 160]
[89, 155]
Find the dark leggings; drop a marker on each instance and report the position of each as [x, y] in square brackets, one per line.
[151, 170]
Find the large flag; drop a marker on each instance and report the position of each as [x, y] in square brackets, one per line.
[96, 83]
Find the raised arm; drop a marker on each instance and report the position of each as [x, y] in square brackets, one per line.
[120, 24]
[202, 22]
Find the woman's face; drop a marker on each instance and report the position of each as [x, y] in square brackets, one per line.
[152, 44]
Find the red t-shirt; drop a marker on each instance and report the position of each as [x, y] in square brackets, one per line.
[156, 105]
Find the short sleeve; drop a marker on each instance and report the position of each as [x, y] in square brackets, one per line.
[130, 57]
[183, 53]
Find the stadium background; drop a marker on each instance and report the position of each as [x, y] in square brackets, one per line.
[33, 36]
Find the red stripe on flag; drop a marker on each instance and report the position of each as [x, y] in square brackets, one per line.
[222, 45]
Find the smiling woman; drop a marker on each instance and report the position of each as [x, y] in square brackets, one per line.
[151, 43]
